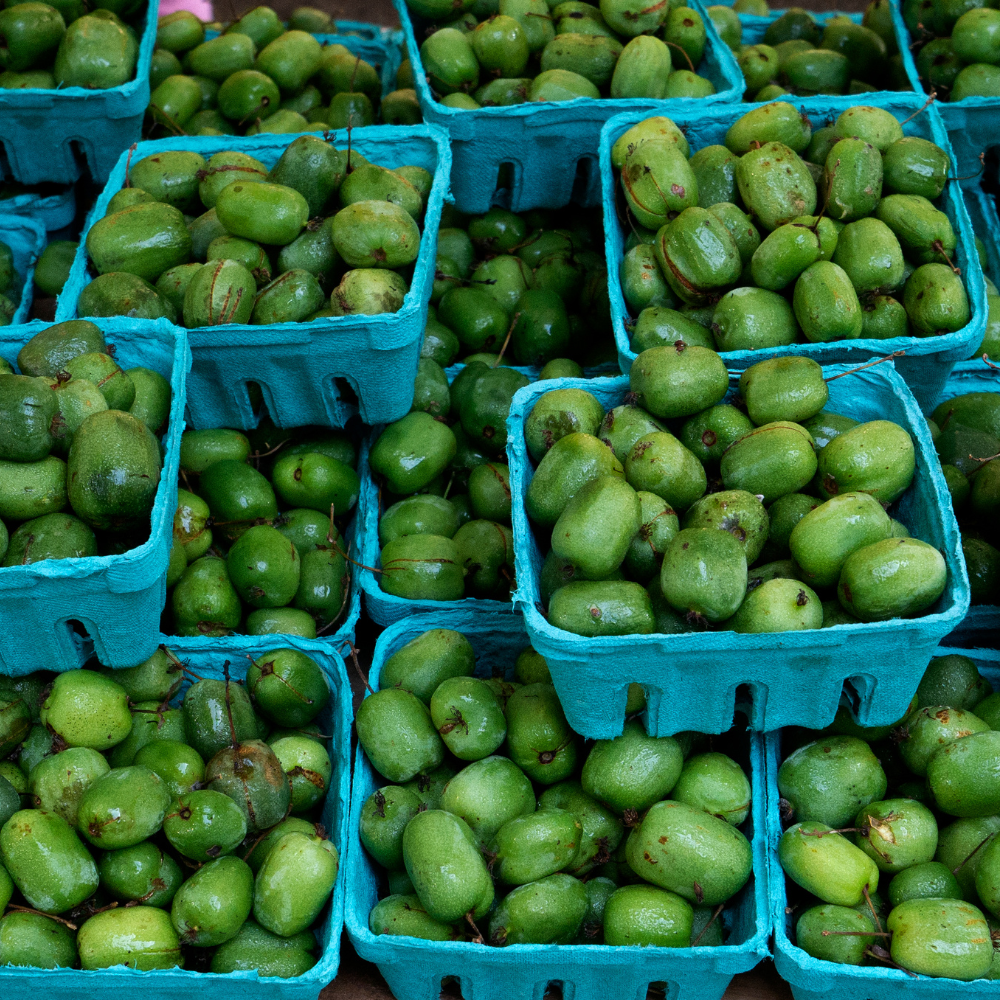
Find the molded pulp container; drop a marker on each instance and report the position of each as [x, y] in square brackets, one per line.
[54, 211]
[795, 678]
[972, 124]
[345, 631]
[45, 133]
[375, 44]
[378, 49]
[26, 238]
[301, 367]
[176, 984]
[387, 608]
[414, 968]
[981, 623]
[977, 376]
[117, 599]
[549, 145]
[754, 28]
[813, 979]
[928, 360]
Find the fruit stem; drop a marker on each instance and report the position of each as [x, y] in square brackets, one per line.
[968, 177]
[687, 58]
[871, 364]
[229, 706]
[930, 100]
[981, 843]
[711, 920]
[258, 455]
[868, 900]
[357, 665]
[510, 331]
[128, 164]
[856, 934]
[177, 663]
[478, 939]
[51, 916]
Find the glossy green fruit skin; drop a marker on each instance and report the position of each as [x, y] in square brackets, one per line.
[141, 937]
[47, 861]
[892, 578]
[87, 709]
[963, 777]
[900, 833]
[418, 749]
[57, 783]
[31, 939]
[548, 911]
[952, 680]
[828, 780]
[941, 937]
[123, 808]
[211, 906]
[930, 727]
[383, 820]
[423, 567]
[207, 705]
[255, 949]
[597, 526]
[539, 740]
[822, 541]
[265, 213]
[145, 240]
[534, 846]
[204, 824]
[570, 464]
[632, 771]
[842, 946]
[771, 461]
[427, 661]
[602, 608]
[602, 830]
[468, 717]
[252, 776]
[704, 573]
[646, 916]
[829, 866]
[931, 880]
[445, 866]
[487, 794]
[405, 915]
[703, 858]
[876, 457]
[141, 872]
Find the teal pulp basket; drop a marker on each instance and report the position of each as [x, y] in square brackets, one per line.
[692, 680]
[414, 968]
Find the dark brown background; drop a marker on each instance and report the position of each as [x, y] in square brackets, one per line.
[357, 980]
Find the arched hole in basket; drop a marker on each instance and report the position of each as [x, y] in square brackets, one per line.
[76, 627]
[345, 391]
[255, 396]
[80, 158]
[554, 990]
[586, 174]
[743, 702]
[507, 177]
[662, 991]
[5, 170]
[451, 987]
[857, 695]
